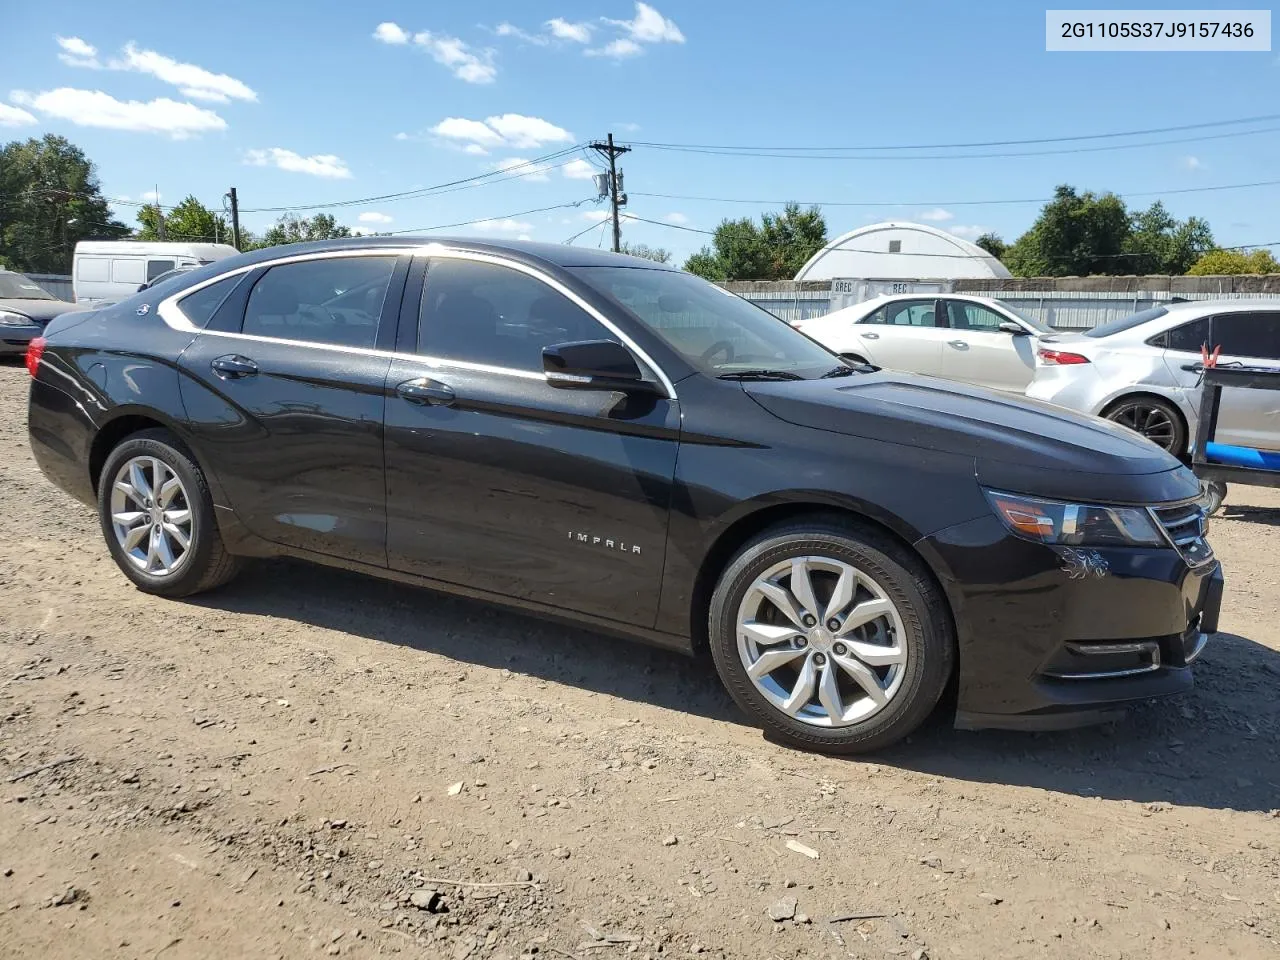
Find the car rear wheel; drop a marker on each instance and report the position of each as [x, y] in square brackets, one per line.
[1157, 420]
[832, 637]
[157, 517]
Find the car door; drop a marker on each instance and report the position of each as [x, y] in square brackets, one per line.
[285, 392]
[904, 335]
[499, 482]
[977, 351]
[1249, 418]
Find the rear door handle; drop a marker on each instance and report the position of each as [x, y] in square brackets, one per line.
[959, 344]
[424, 390]
[233, 367]
[871, 336]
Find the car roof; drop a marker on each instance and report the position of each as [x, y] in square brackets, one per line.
[556, 254]
[1188, 307]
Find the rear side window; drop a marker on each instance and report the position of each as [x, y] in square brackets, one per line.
[912, 313]
[156, 267]
[972, 316]
[1255, 335]
[127, 271]
[337, 301]
[483, 313]
[94, 269]
[1188, 338]
[1126, 323]
[199, 307]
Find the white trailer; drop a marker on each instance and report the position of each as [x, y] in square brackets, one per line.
[105, 271]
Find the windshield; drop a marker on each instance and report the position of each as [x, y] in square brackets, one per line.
[1036, 325]
[717, 332]
[14, 286]
[1126, 323]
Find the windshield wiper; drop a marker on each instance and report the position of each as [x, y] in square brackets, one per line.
[844, 370]
[760, 375]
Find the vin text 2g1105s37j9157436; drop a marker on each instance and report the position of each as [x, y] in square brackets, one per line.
[604, 439]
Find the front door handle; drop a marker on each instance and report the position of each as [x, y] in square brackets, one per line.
[871, 336]
[424, 390]
[233, 367]
[959, 344]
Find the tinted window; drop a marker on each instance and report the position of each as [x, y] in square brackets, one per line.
[1248, 335]
[483, 313]
[336, 300]
[199, 307]
[1188, 338]
[973, 316]
[714, 330]
[875, 316]
[157, 267]
[1126, 323]
[913, 313]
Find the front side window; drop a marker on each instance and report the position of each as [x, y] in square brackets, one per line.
[498, 316]
[336, 300]
[1188, 338]
[715, 331]
[1253, 335]
[973, 316]
[156, 268]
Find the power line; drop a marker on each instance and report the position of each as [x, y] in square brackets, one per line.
[593, 226]
[983, 143]
[953, 203]
[779, 154]
[470, 223]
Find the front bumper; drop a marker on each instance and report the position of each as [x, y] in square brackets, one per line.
[1048, 639]
[14, 340]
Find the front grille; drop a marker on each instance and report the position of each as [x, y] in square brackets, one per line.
[1184, 524]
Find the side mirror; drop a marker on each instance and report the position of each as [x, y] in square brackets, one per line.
[141, 287]
[1017, 329]
[594, 365]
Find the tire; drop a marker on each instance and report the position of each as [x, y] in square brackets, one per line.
[1212, 493]
[1165, 426]
[916, 626]
[203, 563]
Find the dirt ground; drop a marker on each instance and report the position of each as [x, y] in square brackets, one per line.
[310, 763]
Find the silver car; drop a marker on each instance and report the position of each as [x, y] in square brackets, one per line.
[1140, 371]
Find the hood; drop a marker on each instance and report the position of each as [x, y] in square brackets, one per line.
[1020, 445]
[41, 311]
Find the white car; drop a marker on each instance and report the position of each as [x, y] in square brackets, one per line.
[1141, 371]
[973, 339]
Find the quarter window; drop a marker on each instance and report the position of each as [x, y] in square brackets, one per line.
[1255, 335]
[199, 307]
[484, 313]
[336, 300]
[1188, 338]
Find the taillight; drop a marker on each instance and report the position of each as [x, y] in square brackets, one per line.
[35, 350]
[1060, 357]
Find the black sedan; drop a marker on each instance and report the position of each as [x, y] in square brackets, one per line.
[608, 440]
[25, 308]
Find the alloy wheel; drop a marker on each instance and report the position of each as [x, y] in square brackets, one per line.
[1151, 421]
[822, 641]
[151, 516]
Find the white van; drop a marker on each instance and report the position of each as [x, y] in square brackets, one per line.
[105, 271]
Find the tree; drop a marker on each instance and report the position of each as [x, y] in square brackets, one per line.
[775, 250]
[993, 244]
[49, 201]
[293, 229]
[190, 220]
[1160, 244]
[657, 254]
[1218, 262]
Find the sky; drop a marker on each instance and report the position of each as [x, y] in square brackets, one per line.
[305, 103]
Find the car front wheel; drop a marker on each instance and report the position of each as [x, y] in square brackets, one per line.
[833, 637]
[157, 517]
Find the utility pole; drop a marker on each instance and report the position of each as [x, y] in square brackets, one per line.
[159, 215]
[235, 219]
[613, 152]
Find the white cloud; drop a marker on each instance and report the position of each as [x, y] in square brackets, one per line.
[391, 33]
[508, 130]
[15, 116]
[372, 216]
[150, 196]
[505, 29]
[466, 64]
[562, 29]
[579, 170]
[77, 53]
[401, 136]
[971, 232]
[937, 215]
[318, 165]
[524, 236]
[1192, 163]
[649, 26]
[192, 81]
[627, 127]
[523, 169]
[93, 108]
[676, 218]
[619, 49]
[475, 150]
[505, 225]
[596, 216]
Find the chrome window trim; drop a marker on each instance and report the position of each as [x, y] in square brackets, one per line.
[175, 319]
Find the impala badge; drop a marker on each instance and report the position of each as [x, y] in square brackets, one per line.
[591, 540]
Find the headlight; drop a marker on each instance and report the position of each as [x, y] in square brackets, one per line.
[1075, 524]
[10, 319]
